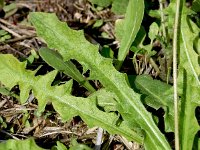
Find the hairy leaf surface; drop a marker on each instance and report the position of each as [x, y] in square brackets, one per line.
[157, 94]
[65, 104]
[72, 45]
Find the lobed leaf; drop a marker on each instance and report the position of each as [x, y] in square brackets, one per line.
[29, 144]
[71, 44]
[65, 104]
[108, 103]
[20, 144]
[157, 94]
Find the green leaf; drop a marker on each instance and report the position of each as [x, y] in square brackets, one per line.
[189, 126]
[98, 23]
[154, 13]
[196, 5]
[102, 3]
[15, 77]
[76, 146]
[72, 44]
[20, 144]
[10, 9]
[55, 60]
[65, 104]
[140, 38]
[188, 79]
[119, 29]
[132, 23]
[191, 57]
[170, 11]
[119, 6]
[107, 52]
[4, 38]
[106, 100]
[3, 32]
[157, 94]
[59, 146]
[4, 35]
[1, 4]
[5, 91]
[153, 31]
[197, 45]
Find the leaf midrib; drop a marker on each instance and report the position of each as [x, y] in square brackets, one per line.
[150, 124]
[188, 57]
[92, 116]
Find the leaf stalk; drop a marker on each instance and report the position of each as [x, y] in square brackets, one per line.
[175, 49]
